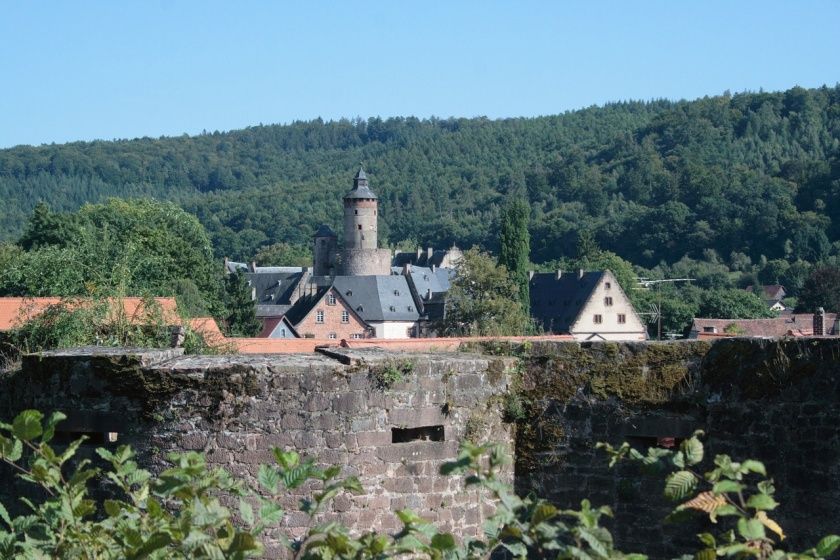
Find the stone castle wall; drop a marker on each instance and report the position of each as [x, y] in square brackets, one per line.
[366, 262]
[235, 409]
[774, 400]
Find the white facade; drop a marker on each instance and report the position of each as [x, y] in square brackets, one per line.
[608, 315]
[394, 329]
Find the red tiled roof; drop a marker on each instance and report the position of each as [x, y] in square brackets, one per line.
[14, 312]
[799, 324]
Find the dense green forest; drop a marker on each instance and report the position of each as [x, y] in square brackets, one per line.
[732, 189]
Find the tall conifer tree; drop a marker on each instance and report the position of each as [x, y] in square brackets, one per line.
[515, 249]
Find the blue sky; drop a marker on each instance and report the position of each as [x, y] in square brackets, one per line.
[102, 70]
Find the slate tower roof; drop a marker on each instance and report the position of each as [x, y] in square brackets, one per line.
[360, 187]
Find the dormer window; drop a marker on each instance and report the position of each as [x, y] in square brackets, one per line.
[360, 309]
[348, 293]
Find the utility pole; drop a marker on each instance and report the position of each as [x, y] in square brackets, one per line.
[647, 283]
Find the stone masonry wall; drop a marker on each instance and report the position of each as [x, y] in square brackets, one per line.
[235, 409]
[773, 400]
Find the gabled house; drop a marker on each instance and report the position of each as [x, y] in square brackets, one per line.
[586, 305]
[384, 303]
[322, 312]
[772, 295]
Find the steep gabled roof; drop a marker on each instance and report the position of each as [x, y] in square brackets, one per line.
[378, 298]
[305, 304]
[557, 302]
[273, 288]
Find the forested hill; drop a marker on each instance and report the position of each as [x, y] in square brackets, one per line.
[754, 173]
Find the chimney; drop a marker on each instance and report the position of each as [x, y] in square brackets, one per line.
[434, 268]
[406, 269]
[819, 322]
[419, 252]
[559, 274]
[253, 294]
[429, 253]
[580, 273]
[530, 274]
[253, 266]
[428, 294]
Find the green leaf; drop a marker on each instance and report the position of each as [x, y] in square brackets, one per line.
[268, 478]
[828, 545]
[408, 517]
[49, 427]
[246, 512]
[725, 486]
[692, 448]
[154, 543]
[27, 425]
[286, 459]
[443, 541]
[10, 449]
[518, 549]
[543, 512]
[750, 529]
[762, 502]
[706, 554]
[270, 512]
[4, 515]
[680, 484]
[708, 539]
[751, 465]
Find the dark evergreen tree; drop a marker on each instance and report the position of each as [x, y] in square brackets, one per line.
[241, 312]
[515, 247]
[821, 289]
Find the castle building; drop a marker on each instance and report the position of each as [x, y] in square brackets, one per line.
[361, 255]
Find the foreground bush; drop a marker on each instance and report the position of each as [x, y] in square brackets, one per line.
[178, 513]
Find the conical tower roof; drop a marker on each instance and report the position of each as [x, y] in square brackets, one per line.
[324, 231]
[360, 187]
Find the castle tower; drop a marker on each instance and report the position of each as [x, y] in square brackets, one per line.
[361, 255]
[360, 219]
[324, 251]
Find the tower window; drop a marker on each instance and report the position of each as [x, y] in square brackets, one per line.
[357, 212]
[360, 226]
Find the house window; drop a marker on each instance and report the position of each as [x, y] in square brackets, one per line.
[331, 299]
[319, 316]
[357, 335]
[709, 329]
[607, 301]
[345, 316]
[607, 285]
[598, 319]
[283, 333]
[622, 318]
[333, 336]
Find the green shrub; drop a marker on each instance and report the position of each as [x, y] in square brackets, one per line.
[178, 514]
